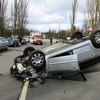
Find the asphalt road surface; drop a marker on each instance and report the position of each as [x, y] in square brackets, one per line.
[52, 89]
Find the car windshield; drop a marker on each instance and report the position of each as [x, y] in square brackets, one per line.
[54, 48]
[2, 39]
[11, 38]
[37, 36]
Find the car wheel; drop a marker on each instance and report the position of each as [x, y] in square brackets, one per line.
[34, 43]
[15, 45]
[37, 59]
[27, 51]
[95, 38]
[77, 35]
[6, 48]
[41, 43]
[11, 70]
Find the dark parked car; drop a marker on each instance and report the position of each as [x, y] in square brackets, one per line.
[13, 41]
[3, 43]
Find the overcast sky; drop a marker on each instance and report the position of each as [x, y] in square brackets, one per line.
[46, 14]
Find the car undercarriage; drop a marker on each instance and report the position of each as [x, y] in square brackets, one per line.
[59, 61]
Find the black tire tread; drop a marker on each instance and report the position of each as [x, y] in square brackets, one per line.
[26, 49]
[96, 45]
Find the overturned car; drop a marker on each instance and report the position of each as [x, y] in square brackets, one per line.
[58, 60]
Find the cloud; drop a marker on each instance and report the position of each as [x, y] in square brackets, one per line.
[54, 26]
[80, 16]
[43, 19]
[10, 3]
[43, 14]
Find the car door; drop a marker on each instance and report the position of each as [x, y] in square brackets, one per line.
[84, 53]
[67, 63]
[1, 44]
[4, 43]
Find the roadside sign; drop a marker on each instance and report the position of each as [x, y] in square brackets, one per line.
[90, 29]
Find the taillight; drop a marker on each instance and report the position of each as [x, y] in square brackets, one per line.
[16, 40]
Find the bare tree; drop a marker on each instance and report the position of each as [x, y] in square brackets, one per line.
[23, 15]
[97, 14]
[19, 14]
[3, 6]
[73, 15]
[86, 21]
[93, 10]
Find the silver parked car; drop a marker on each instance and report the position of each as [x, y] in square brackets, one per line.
[3, 43]
[60, 59]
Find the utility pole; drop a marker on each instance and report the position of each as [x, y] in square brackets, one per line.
[58, 28]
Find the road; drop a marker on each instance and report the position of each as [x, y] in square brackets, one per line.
[52, 89]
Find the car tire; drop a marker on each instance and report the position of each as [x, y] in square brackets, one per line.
[6, 48]
[41, 43]
[27, 51]
[37, 59]
[15, 45]
[95, 38]
[33, 43]
[77, 35]
[11, 70]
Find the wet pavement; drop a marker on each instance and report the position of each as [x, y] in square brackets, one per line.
[52, 89]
